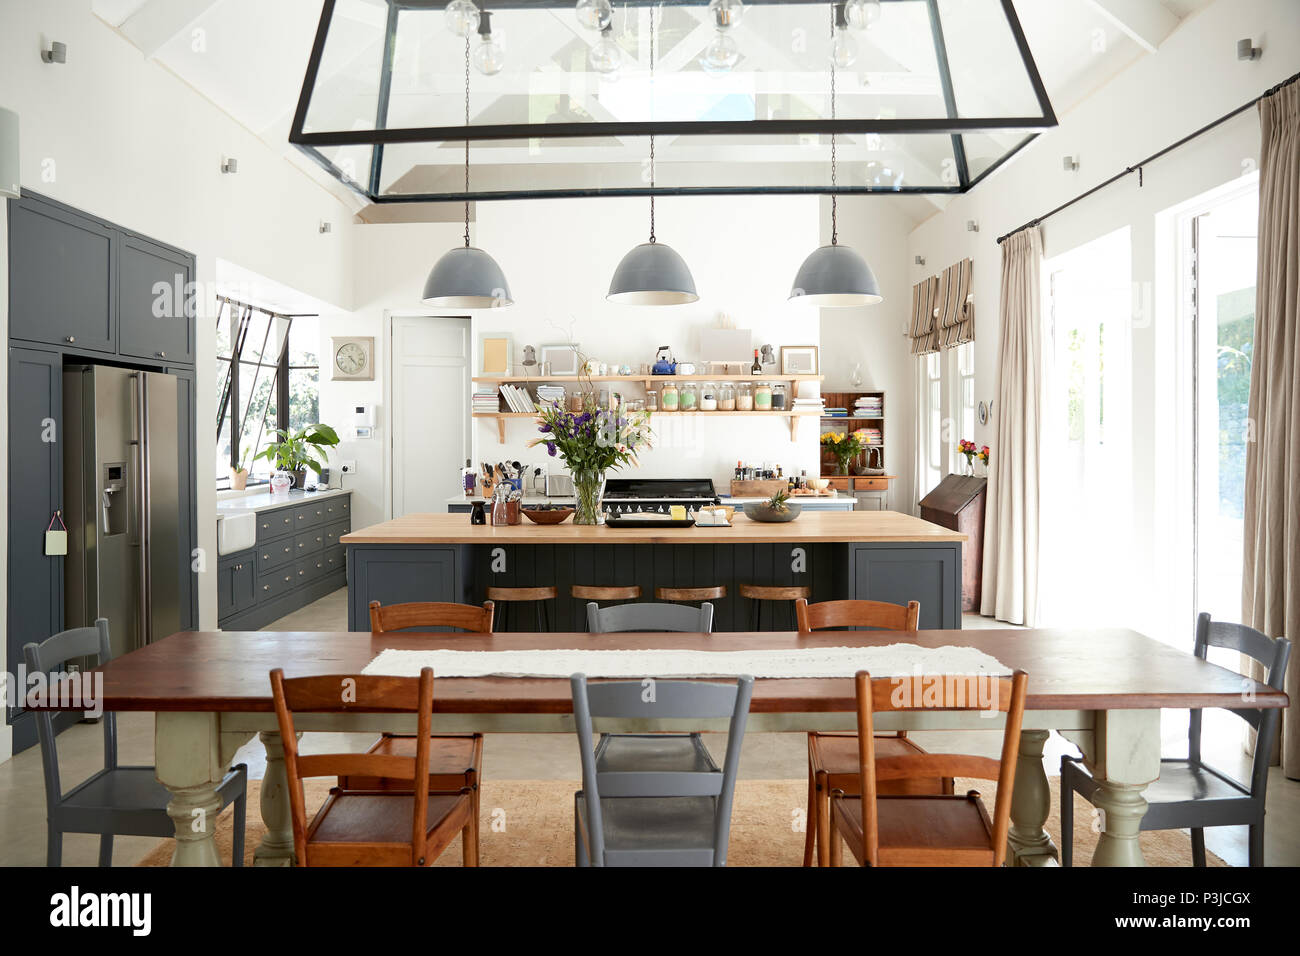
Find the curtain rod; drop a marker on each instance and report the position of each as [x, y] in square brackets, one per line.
[1137, 167]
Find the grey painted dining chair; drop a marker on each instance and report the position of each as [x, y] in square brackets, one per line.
[115, 800]
[639, 814]
[664, 752]
[1190, 794]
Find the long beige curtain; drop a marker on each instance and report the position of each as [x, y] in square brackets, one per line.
[1270, 599]
[1010, 586]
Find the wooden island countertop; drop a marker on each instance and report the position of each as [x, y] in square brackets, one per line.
[809, 527]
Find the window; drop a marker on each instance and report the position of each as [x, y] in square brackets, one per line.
[961, 394]
[267, 379]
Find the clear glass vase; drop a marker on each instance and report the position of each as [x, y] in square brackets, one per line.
[587, 489]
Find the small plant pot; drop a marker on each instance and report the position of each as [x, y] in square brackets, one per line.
[762, 511]
[300, 478]
[238, 479]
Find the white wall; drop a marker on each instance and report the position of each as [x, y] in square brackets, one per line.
[558, 256]
[873, 336]
[122, 138]
[1193, 79]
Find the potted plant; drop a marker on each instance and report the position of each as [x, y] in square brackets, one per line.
[844, 446]
[590, 443]
[239, 474]
[295, 452]
[778, 508]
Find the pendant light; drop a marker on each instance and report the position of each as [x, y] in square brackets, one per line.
[466, 278]
[652, 273]
[835, 276]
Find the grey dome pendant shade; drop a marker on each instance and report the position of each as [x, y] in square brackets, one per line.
[652, 274]
[467, 278]
[836, 277]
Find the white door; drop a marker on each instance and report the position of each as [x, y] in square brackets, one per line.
[430, 411]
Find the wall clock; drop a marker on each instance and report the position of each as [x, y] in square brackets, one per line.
[353, 358]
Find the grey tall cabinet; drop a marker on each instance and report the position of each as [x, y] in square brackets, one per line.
[81, 289]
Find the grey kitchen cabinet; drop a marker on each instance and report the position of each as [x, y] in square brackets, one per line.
[35, 607]
[297, 560]
[155, 304]
[62, 276]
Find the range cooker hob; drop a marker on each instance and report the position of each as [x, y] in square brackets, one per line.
[624, 496]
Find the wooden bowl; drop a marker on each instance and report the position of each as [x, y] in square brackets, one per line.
[819, 484]
[761, 512]
[547, 515]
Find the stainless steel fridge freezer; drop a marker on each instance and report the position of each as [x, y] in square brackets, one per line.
[125, 507]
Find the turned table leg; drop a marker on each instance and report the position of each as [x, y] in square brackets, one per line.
[1125, 758]
[1027, 842]
[192, 756]
[276, 848]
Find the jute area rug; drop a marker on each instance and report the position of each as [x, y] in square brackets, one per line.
[530, 823]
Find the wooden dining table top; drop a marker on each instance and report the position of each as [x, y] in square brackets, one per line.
[1103, 669]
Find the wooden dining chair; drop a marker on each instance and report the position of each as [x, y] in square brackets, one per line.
[455, 760]
[408, 826]
[833, 758]
[911, 829]
[1190, 794]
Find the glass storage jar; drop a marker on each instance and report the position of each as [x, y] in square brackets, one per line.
[726, 397]
[763, 397]
[708, 397]
[778, 398]
[688, 397]
[668, 398]
[744, 397]
[652, 400]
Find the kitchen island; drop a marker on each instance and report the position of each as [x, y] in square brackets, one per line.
[876, 555]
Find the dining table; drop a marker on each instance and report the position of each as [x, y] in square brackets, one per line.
[1102, 689]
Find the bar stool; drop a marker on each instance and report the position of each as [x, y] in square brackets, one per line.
[758, 593]
[597, 592]
[691, 594]
[537, 596]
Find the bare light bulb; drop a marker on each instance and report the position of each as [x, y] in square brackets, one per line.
[594, 14]
[606, 55]
[461, 17]
[726, 13]
[489, 56]
[862, 14]
[844, 49]
[722, 53]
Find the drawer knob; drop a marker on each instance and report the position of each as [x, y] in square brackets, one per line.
[266, 587]
[161, 354]
[70, 339]
[301, 573]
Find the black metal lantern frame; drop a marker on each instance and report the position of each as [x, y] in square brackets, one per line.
[370, 140]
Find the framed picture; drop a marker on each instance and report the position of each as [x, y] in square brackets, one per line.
[352, 358]
[562, 358]
[495, 353]
[799, 360]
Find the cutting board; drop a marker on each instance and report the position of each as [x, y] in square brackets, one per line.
[758, 488]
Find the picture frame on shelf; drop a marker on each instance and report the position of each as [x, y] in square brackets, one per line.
[799, 360]
[559, 359]
[495, 353]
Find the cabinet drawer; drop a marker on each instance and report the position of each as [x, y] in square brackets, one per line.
[335, 559]
[309, 542]
[870, 484]
[335, 531]
[274, 553]
[841, 483]
[277, 582]
[337, 508]
[273, 524]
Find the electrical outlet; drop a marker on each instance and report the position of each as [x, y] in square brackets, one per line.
[349, 466]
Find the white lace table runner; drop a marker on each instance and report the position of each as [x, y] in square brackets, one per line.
[893, 660]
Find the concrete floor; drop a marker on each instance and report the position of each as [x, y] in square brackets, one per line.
[555, 757]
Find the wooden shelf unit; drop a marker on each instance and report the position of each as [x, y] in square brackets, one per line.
[853, 422]
[793, 417]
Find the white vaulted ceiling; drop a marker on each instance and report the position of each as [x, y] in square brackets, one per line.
[249, 56]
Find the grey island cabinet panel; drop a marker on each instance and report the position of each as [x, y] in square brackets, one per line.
[62, 277]
[292, 564]
[898, 573]
[155, 305]
[394, 574]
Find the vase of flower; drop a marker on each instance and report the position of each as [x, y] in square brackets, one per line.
[591, 442]
[844, 446]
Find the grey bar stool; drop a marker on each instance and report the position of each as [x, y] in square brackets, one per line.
[125, 800]
[756, 594]
[536, 596]
[647, 815]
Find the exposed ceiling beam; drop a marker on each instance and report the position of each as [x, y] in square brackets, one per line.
[1145, 22]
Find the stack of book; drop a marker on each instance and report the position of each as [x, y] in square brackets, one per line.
[869, 406]
[871, 436]
[517, 399]
[810, 406]
[550, 394]
[836, 413]
[484, 401]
